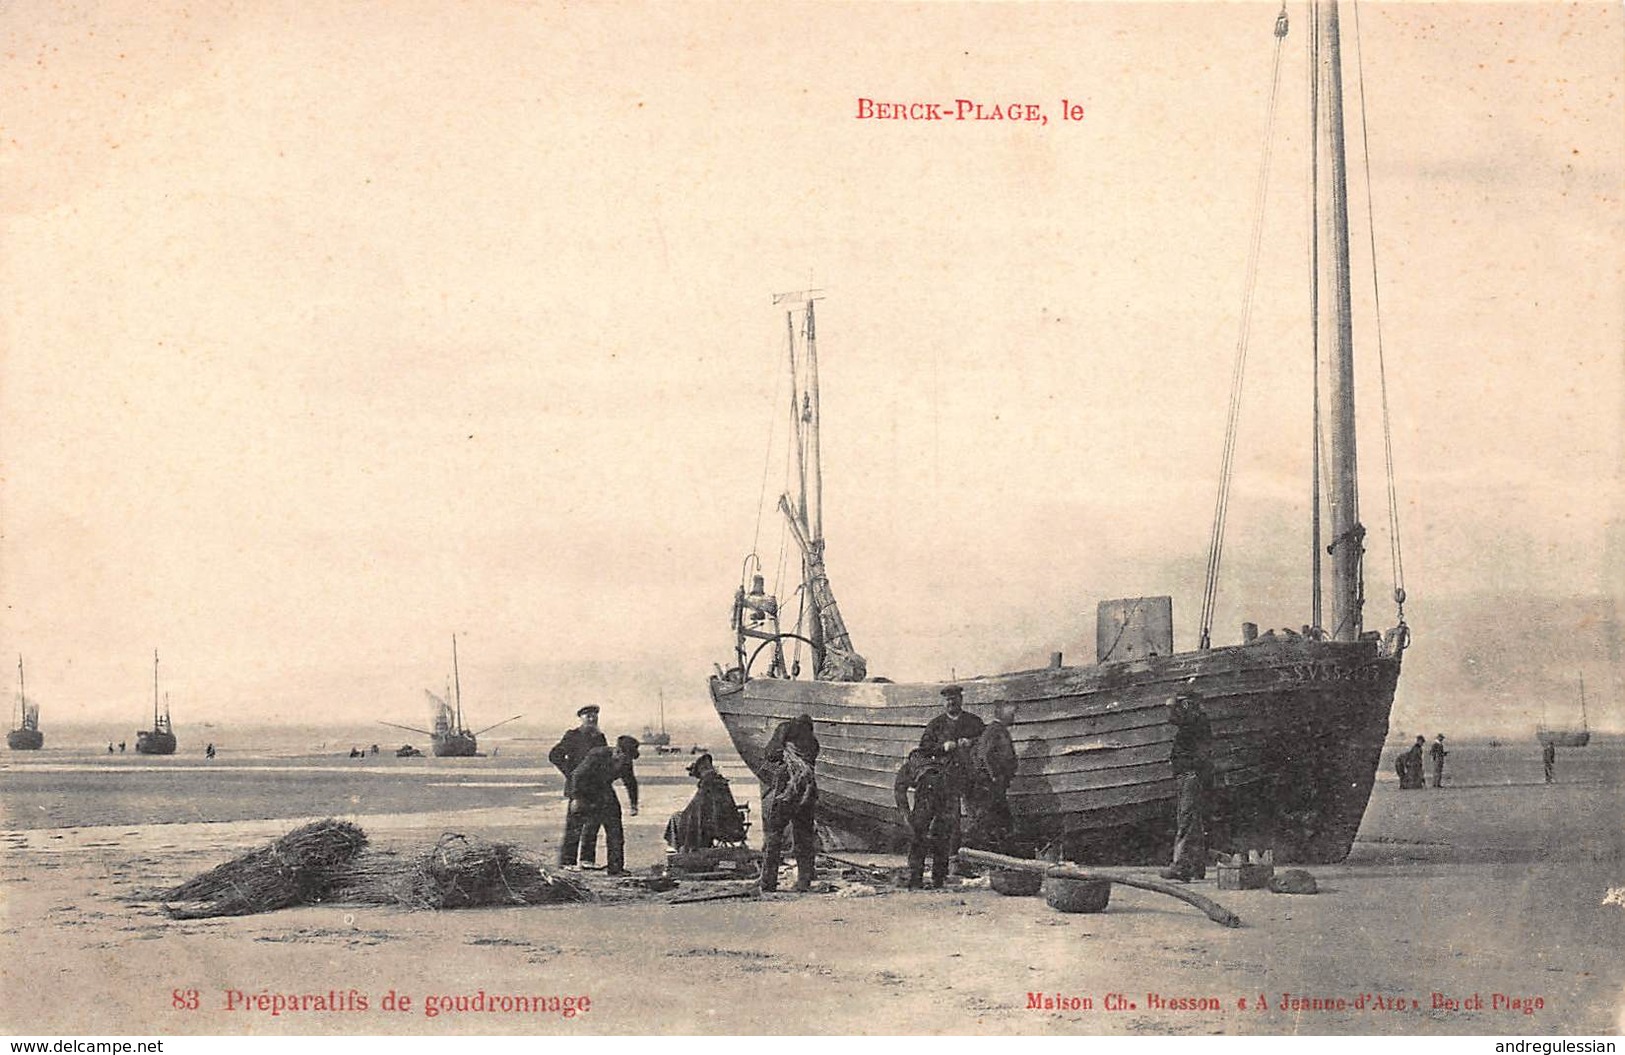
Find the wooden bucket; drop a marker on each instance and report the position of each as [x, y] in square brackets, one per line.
[1076, 895]
[1014, 882]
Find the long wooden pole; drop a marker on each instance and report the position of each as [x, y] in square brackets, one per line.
[1214, 911]
[1348, 536]
[815, 516]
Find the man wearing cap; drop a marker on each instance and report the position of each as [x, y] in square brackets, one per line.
[593, 801]
[950, 736]
[1437, 753]
[1193, 770]
[567, 755]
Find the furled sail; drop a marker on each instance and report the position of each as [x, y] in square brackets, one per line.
[840, 661]
[837, 660]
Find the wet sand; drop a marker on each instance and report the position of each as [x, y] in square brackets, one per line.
[1495, 885]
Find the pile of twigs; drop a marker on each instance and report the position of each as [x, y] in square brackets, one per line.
[459, 872]
[300, 868]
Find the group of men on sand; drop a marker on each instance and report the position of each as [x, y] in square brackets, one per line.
[591, 767]
[1409, 764]
[952, 789]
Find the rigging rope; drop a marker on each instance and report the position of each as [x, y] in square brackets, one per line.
[1222, 502]
[1396, 555]
[767, 459]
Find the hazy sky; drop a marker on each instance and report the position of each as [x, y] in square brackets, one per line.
[332, 329]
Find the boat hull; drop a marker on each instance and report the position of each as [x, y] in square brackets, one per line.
[1564, 737]
[1298, 731]
[25, 739]
[155, 743]
[454, 746]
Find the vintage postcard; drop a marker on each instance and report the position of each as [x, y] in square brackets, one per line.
[812, 518]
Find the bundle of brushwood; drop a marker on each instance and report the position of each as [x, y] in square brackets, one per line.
[298, 869]
[459, 872]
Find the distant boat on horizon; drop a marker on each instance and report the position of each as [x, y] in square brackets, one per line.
[26, 735]
[653, 737]
[450, 738]
[160, 739]
[1567, 737]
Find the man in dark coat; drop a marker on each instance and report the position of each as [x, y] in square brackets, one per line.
[929, 822]
[1437, 753]
[790, 799]
[1193, 771]
[993, 766]
[593, 801]
[1548, 758]
[1410, 767]
[711, 816]
[950, 738]
[567, 755]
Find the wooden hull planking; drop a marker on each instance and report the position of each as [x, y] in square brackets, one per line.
[1298, 730]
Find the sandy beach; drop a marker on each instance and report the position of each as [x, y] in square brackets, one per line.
[1492, 891]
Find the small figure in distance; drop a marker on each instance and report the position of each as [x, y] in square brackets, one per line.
[1437, 753]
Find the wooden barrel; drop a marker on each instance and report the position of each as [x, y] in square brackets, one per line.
[1013, 882]
[1076, 895]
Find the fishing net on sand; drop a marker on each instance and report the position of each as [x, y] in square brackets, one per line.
[459, 872]
[298, 869]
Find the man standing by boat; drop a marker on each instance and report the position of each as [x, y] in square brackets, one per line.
[790, 799]
[1437, 753]
[927, 817]
[993, 765]
[567, 755]
[593, 801]
[950, 736]
[1193, 769]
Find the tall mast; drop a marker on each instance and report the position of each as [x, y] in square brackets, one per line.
[815, 461]
[1332, 227]
[1583, 726]
[797, 422]
[457, 683]
[662, 709]
[155, 689]
[22, 693]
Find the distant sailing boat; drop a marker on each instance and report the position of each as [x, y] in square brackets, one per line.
[1567, 737]
[450, 738]
[26, 736]
[1298, 718]
[653, 737]
[160, 739]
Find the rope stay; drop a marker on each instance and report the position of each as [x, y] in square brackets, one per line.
[1250, 284]
[1395, 551]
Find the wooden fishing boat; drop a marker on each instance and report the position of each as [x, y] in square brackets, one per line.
[656, 736]
[160, 739]
[449, 737]
[1299, 717]
[1567, 737]
[25, 735]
